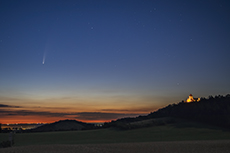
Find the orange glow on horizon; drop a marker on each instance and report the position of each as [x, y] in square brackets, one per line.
[36, 119]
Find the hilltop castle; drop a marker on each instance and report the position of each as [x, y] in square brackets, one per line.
[191, 99]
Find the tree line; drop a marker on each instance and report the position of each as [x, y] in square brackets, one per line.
[211, 110]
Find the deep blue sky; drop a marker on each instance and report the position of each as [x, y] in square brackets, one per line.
[116, 57]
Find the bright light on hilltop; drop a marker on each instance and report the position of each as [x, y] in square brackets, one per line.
[191, 99]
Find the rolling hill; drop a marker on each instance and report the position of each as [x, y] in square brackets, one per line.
[63, 125]
[213, 111]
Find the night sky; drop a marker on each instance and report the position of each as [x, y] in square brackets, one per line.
[100, 60]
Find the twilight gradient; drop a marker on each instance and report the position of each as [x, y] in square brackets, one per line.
[96, 61]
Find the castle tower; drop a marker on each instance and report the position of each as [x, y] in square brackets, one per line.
[190, 98]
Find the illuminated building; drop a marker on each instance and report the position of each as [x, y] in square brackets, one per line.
[191, 99]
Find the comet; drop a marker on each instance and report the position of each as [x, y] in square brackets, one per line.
[44, 58]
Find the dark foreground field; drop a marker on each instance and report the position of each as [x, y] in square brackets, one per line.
[185, 131]
[214, 146]
[184, 137]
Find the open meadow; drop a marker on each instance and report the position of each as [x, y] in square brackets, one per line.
[214, 146]
[173, 132]
[183, 136]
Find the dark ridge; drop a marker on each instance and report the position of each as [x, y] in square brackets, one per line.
[63, 125]
[213, 111]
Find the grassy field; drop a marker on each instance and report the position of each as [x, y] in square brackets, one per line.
[213, 146]
[173, 132]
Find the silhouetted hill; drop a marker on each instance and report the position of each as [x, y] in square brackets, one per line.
[63, 125]
[213, 111]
